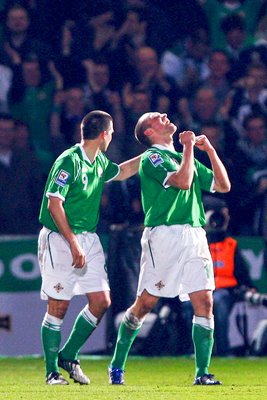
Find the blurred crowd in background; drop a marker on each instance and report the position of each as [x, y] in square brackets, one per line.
[203, 62]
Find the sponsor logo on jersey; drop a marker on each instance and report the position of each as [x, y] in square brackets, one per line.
[62, 178]
[156, 159]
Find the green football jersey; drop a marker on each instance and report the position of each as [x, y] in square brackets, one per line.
[165, 205]
[79, 183]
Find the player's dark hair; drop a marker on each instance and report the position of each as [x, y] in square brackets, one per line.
[140, 128]
[94, 123]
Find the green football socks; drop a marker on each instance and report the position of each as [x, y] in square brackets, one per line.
[128, 330]
[83, 327]
[51, 337]
[203, 343]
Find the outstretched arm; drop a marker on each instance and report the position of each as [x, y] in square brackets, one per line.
[222, 182]
[128, 168]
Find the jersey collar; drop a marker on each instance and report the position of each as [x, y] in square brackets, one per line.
[85, 157]
[162, 147]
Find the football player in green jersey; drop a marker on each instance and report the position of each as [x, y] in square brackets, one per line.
[70, 254]
[175, 255]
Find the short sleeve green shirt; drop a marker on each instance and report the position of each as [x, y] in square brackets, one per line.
[79, 183]
[166, 205]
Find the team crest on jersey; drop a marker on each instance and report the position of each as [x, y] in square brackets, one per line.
[100, 171]
[62, 178]
[156, 159]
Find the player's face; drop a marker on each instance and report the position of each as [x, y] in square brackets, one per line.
[161, 124]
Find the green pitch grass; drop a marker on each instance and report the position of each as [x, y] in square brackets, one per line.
[146, 379]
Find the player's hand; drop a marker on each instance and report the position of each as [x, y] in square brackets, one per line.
[203, 143]
[187, 137]
[78, 255]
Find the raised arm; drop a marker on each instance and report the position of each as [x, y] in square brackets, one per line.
[222, 182]
[183, 177]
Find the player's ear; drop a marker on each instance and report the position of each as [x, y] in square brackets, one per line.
[148, 132]
[102, 135]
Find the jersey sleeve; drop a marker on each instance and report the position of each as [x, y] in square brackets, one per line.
[205, 176]
[112, 170]
[159, 166]
[60, 178]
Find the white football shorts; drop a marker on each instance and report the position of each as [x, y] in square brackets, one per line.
[60, 280]
[175, 261]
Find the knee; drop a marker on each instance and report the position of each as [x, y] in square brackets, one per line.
[105, 303]
[57, 308]
[204, 306]
[147, 306]
[143, 304]
[208, 305]
[99, 305]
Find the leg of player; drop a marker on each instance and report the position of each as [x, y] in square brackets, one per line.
[128, 330]
[85, 324]
[51, 337]
[202, 334]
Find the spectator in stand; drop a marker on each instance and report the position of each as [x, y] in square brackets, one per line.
[68, 110]
[89, 37]
[148, 75]
[49, 15]
[188, 66]
[22, 136]
[31, 99]
[218, 76]
[130, 36]
[68, 59]
[249, 94]
[217, 10]
[97, 24]
[257, 53]
[21, 184]
[18, 43]
[135, 103]
[158, 34]
[204, 108]
[100, 95]
[249, 192]
[233, 28]
[180, 12]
